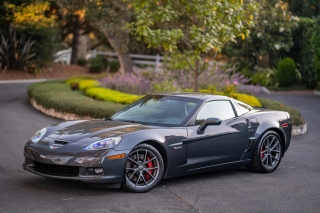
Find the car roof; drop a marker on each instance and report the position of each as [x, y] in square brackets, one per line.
[195, 95]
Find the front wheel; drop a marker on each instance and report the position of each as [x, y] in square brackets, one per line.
[144, 169]
[267, 153]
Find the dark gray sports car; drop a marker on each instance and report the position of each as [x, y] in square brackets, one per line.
[161, 136]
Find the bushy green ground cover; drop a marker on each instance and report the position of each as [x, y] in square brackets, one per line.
[59, 96]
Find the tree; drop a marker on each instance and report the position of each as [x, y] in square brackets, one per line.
[195, 30]
[71, 18]
[304, 8]
[272, 33]
[110, 17]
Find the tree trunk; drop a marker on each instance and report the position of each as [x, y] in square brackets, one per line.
[125, 62]
[75, 42]
[118, 43]
[196, 75]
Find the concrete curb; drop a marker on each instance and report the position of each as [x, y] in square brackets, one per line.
[62, 115]
[28, 80]
[296, 130]
[316, 92]
[299, 130]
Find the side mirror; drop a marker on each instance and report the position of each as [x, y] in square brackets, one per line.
[207, 122]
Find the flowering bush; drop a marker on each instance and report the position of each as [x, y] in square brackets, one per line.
[133, 83]
[141, 82]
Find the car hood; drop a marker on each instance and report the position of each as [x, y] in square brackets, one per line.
[92, 129]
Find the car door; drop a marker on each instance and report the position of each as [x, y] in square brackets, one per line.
[217, 144]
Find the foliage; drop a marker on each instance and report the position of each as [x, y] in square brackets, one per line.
[296, 118]
[82, 62]
[58, 96]
[315, 44]
[305, 8]
[109, 18]
[31, 21]
[114, 66]
[272, 33]
[111, 95]
[265, 77]
[248, 99]
[87, 84]
[286, 72]
[303, 51]
[192, 29]
[45, 45]
[133, 83]
[32, 14]
[76, 79]
[15, 51]
[98, 64]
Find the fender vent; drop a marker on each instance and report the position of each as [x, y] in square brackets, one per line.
[248, 145]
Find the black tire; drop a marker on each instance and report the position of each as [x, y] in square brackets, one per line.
[267, 153]
[144, 169]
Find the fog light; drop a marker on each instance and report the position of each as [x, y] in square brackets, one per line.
[98, 170]
[94, 171]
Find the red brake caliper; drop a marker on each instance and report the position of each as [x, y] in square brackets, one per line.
[149, 165]
[262, 154]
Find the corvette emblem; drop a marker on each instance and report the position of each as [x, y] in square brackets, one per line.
[54, 147]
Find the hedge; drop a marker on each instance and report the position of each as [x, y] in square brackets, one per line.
[105, 94]
[59, 96]
[248, 99]
[296, 118]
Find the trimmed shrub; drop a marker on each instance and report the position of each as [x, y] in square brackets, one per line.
[98, 64]
[266, 77]
[248, 99]
[114, 66]
[60, 97]
[286, 72]
[82, 62]
[75, 80]
[109, 95]
[87, 84]
[296, 118]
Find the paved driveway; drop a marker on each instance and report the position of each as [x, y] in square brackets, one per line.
[293, 187]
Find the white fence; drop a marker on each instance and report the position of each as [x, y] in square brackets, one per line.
[153, 61]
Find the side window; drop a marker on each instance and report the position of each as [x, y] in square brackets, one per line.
[243, 107]
[215, 109]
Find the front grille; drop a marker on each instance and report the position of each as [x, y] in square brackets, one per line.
[56, 169]
[60, 142]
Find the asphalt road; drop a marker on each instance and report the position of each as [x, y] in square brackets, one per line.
[293, 187]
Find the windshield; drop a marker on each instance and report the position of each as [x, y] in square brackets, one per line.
[159, 110]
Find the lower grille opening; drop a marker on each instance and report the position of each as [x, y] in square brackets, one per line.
[56, 169]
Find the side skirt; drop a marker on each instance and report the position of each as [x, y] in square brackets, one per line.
[220, 166]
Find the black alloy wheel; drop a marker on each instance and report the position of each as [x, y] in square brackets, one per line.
[144, 169]
[267, 154]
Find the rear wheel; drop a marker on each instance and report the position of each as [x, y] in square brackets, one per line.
[144, 169]
[267, 154]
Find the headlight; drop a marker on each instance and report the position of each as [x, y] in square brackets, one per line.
[37, 137]
[107, 143]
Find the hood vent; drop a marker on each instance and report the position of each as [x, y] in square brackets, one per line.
[60, 142]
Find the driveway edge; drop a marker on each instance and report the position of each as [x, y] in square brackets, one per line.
[53, 113]
[299, 130]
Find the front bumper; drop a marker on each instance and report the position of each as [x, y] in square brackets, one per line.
[113, 170]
